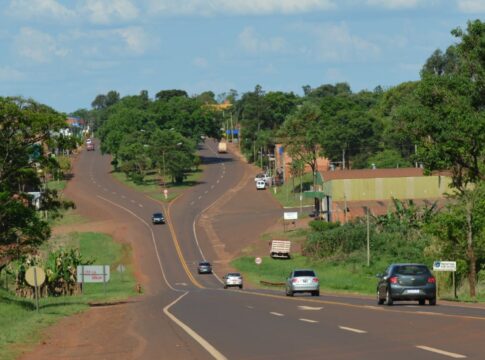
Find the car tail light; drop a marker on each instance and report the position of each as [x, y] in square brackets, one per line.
[315, 280]
[393, 280]
[295, 280]
[431, 280]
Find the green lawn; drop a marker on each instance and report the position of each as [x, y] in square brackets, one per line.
[21, 327]
[288, 194]
[152, 187]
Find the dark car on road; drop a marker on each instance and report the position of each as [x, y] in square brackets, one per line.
[204, 268]
[406, 282]
[158, 218]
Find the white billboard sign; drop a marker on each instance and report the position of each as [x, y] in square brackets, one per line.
[444, 266]
[92, 273]
[290, 215]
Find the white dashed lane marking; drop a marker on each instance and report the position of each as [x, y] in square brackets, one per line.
[441, 352]
[133, 201]
[123, 196]
[276, 314]
[308, 320]
[212, 186]
[358, 331]
[140, 205]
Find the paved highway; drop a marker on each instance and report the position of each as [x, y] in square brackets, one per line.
[181, 307]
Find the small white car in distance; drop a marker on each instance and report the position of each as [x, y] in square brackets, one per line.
[260, 185]
[233, 279]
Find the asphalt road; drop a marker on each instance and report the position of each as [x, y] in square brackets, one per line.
[186, 315]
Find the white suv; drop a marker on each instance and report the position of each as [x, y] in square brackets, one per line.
[260, 185]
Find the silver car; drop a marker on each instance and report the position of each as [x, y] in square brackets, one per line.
[302, 280]
[233, 279]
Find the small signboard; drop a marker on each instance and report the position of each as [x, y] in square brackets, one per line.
[444, 266]
[92, 273]
[258, 261]
[290, 215]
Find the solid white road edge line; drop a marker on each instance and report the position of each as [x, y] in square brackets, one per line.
[153, 240]
[204, 343]
[358, 331]
[276, 314]
[441, 352]
[308, 320]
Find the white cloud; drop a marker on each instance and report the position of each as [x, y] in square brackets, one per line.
[335, 43]
[38, 46]
[471, 6]
[251, 43]
[39, 8]
[200, 62]
[134, 39]
[395, 4]
[108, 11]
[240, 7]
[10, 74]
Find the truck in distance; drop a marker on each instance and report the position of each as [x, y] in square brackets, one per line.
[280, 249]
[222, 148]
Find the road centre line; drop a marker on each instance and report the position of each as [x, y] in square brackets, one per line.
[140, 205]
[205, 192]
[153, 239]
[123, 196]
[337, 303]
[212, 186]
[200, 197]
[358, 331]
[133, 201]
[217, 181]
[276, 314]
[441, 352]
[204, 343]
[308, 320]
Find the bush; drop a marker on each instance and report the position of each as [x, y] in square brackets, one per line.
[321, 226]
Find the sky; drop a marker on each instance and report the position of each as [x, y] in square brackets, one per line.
[64, 53]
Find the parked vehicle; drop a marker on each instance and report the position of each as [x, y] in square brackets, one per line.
[233, 279]
[158, 218]
[301, 281]
[264, 177]
[222, 148]
[260, 185]
[280, 249]
[204, 267]
[409, 282]
[90, 146]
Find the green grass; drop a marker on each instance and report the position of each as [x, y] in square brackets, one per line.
[348, 278]
[58, 185]
[69, 217]
[288, 194]
[21, 327]
[152, 187]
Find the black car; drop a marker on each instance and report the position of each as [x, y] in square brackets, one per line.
[204, 268]
[158, 218]
[408, 282]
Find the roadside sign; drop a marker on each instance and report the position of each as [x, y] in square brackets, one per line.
[35, 276]
[121, 268]
[258, 261]
[165, 193]
[92, 273]
[444, 266]
[293, 215]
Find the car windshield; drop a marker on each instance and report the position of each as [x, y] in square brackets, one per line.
[158, 215]
[411, 270]
[304, 273]
[204, 264]
[233, 275]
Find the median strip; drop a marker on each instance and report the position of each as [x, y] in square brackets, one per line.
[441, 352]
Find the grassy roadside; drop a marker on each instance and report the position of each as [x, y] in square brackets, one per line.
[151, 185]
[288, 194]
[21, 327]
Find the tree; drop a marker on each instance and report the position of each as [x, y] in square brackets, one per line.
[165, 95]
[448, 121]
[25, 128]
[301, 133]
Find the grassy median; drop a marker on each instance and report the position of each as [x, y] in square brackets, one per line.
[20, 325]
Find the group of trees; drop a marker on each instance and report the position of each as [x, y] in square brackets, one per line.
[27, 131]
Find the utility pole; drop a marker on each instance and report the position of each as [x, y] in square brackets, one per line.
[368, 237]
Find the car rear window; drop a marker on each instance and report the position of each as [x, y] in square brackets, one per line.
[411, 270]
[304, 273]
[234, 274]
[205, 264]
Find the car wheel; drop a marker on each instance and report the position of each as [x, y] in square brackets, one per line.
[421, 302]
[379, 300]
[432, 301]
[316, 293]
[240, 286]
[225, 286]
[289, 292]
[389, 300]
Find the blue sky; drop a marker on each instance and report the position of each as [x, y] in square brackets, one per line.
[64, 53]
